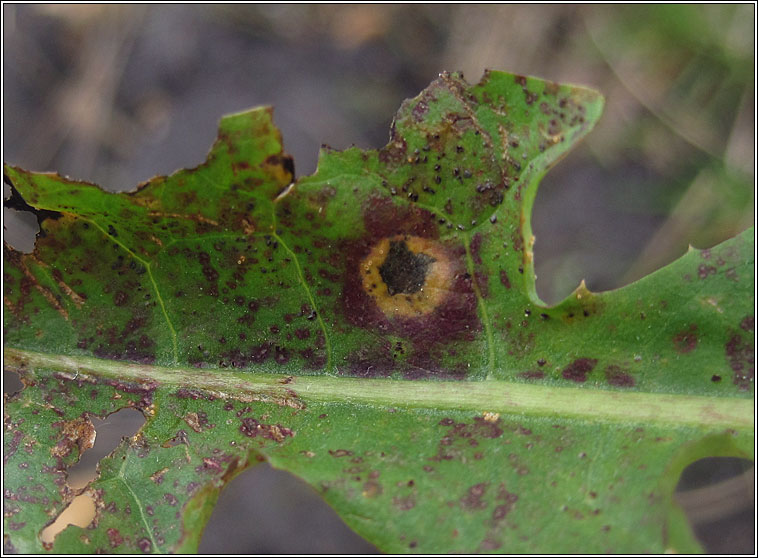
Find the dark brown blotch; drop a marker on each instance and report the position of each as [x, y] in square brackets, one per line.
[577, 371]
[472, 500]
[617, 376]
[740, 354]
[686, 340]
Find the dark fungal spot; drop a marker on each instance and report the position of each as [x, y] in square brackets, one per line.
[340, 453]
[371, 489]
[404, 503]
[472, 500]
[618, 377]
[252, 428]
[403, 271]
[577, 371]
[114, 537]
[120, 298]
[490, 544]
[703, 271]
[685, 341]
[283, 160]
[485, 428]
[740, 353]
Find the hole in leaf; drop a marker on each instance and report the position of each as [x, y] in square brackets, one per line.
[109, 432]
[20, 229]
[718, 496]
[80, 512]
[11, 383]
[21, 221]
[259, 511]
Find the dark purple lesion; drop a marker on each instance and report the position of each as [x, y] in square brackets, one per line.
[454, 320]
[686, 340]
[577, 371]
[740, 354]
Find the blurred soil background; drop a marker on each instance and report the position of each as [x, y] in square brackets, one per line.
[115, 94]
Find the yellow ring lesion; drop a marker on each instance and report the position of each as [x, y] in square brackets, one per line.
[407, 276]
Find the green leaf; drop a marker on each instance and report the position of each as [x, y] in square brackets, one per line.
[373, 328]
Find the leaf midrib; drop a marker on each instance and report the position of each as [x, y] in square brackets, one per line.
[494, 396]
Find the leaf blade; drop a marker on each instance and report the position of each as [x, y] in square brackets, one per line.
[251, 319]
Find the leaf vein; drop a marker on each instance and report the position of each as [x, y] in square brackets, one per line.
[147, 263]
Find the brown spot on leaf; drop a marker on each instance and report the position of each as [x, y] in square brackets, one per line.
[120, 298]
[404, 503]
[509, 499]
[302, 333]
[157, 477]
[686, 340]
[406, 276]
[740, 353]
[472, 500]
[577, 371]
[703, 271]
[79, 433]
[372, 489]
[340, 453]
[114, 537]
[490, 544]
[394, 152]
[193, 421]
[443, 310]
[486, 427]
[419, 110]
[619, 377]
[252, 428]
[532, 375]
